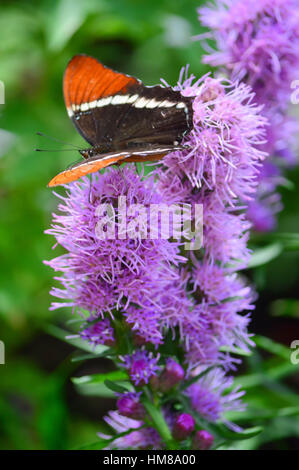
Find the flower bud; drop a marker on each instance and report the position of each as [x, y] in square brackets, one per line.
[183, 426]
[171, 375]
[129, 405]
[202, 440]
[154, 382]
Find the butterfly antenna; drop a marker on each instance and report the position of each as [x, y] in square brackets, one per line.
[57, 140]
[54, 150]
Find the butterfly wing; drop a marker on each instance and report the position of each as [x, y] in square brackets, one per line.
[86, 82]
[115, 111]
[101, 161]
[120, 117]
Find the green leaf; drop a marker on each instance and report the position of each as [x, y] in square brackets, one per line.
[272, 346]
[285, 308]
[237, 436]
[280, 428]
[236, 350]
[100, 378]
[97, 385]
[263, 414]
[289, 240]
[84, 357]
[75, 340]
[64, 19]
[115, 387]
[275, 372]
[264, 255]
[97, 445]
[288, 184]
[158, 421]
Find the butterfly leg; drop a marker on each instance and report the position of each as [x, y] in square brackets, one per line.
[90, 192]
[120, 169]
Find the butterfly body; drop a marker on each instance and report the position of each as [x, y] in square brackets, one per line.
[122, 119]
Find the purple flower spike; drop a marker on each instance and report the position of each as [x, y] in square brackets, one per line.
[197, 301]
[130, 406]
[183, 426]
[171, 375]
[202, 440]
[257, 42]
[141, 365]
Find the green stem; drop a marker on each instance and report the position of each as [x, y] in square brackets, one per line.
[159, 422]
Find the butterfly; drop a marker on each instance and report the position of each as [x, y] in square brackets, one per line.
[122, 119]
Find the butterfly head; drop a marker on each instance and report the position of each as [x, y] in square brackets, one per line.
[87, 153]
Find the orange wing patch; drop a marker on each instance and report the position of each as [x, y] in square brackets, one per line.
[86, 79]
[84, 169]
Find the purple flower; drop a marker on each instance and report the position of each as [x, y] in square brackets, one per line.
[257, 41]
[222, 329]
[267, 203]
[223, 296]
[208, 399]
[146, 322]
[202, 440]
[100, 332]
[262, 215]
[129, 405]
[145, 438]
[224, 155]
[217, 285]
[142, 365]
[183, 426]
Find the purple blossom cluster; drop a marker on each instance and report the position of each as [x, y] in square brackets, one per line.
[141, 365]
[218, 169]
[105, 276]
[258, 43]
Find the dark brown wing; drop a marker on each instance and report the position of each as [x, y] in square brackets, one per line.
[115, 111]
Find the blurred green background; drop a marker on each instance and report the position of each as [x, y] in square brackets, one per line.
[39, 407]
